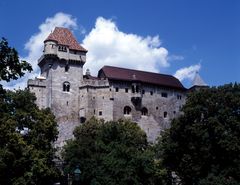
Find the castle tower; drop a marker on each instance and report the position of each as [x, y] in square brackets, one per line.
[197, 83]
[61, 68]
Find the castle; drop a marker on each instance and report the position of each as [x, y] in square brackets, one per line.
[150, 99]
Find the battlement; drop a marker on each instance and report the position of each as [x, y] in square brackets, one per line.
[95, 83]
[36, 82]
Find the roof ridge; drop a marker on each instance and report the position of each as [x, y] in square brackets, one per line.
[139, 70]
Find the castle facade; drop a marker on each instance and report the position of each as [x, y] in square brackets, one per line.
[150, 99]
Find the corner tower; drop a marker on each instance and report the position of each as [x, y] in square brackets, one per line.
[61, 66]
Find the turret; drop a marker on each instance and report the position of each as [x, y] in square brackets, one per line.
[61, 44]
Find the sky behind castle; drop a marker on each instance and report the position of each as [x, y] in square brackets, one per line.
[177, 37]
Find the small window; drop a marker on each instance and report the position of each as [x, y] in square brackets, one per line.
[126, 90]
[179, 97]
[151, 92]
[100, 113]
[143, 91]
[133, 89]
[144, 111]
[62, 48]
[174, 112]
[110, 89]
[116, 89]
[66, 86]
[66, 68]
[94, 111]
[156, 108]
[137, 89]
[127, 110]
[165, 95]
[165, 114]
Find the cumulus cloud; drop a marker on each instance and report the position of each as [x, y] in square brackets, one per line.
[187, 73]
[107, 45]
[34, 45]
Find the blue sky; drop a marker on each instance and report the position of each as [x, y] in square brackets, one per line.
[164, 36]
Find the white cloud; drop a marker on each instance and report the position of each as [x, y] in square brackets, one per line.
[187, 73]
[107, 45]
[34, 45]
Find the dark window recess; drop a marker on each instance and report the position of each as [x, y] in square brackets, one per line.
[143, 91]
[93, 97]
[62, 48]
[100, 113]
[94, 111]
[111, 99]
[165, 95]
[133, 89]
[151, 92]
[179, 97]
[110, 89]
[126, 90]
[116, 89]
[144, 111]
[66, 86]
[127, 110]
[174, 112]
[66, 68]
[165, 114]
[137, 89]
[156, 108]
[67, 103]
[103, 97]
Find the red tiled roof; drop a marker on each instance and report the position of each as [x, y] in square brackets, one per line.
[65, 37]
[116, 73]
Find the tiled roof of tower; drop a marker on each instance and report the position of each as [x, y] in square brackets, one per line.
[65, 37]
[116, 73]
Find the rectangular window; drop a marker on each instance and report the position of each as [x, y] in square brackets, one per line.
[126, 90]
[133, 89]
[100, 113]
[143, 91]
[116, 89]
[165, 95]
[179, 97]
[151, 92]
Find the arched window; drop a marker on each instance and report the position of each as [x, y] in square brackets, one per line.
[127, 110]
[144, 111]
[66, 86]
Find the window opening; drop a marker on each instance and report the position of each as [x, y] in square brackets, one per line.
[66, 86]
[165, 95]
[144, 111]
[127, 110]
[126, 90]
[165, 114]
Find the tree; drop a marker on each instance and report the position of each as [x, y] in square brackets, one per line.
[111, 153]
[26, 138]
[203, 146]
[11, 68]
[26, 133]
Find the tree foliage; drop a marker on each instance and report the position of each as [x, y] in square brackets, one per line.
[111, 153]
[26, 136]
[11, 68]
[203, 145]
[26, 133]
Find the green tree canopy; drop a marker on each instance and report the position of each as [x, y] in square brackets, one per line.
[203, 145]
[11, 68]
[26, 138]
[111, 153]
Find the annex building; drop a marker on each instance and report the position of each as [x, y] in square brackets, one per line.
[150, 99]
